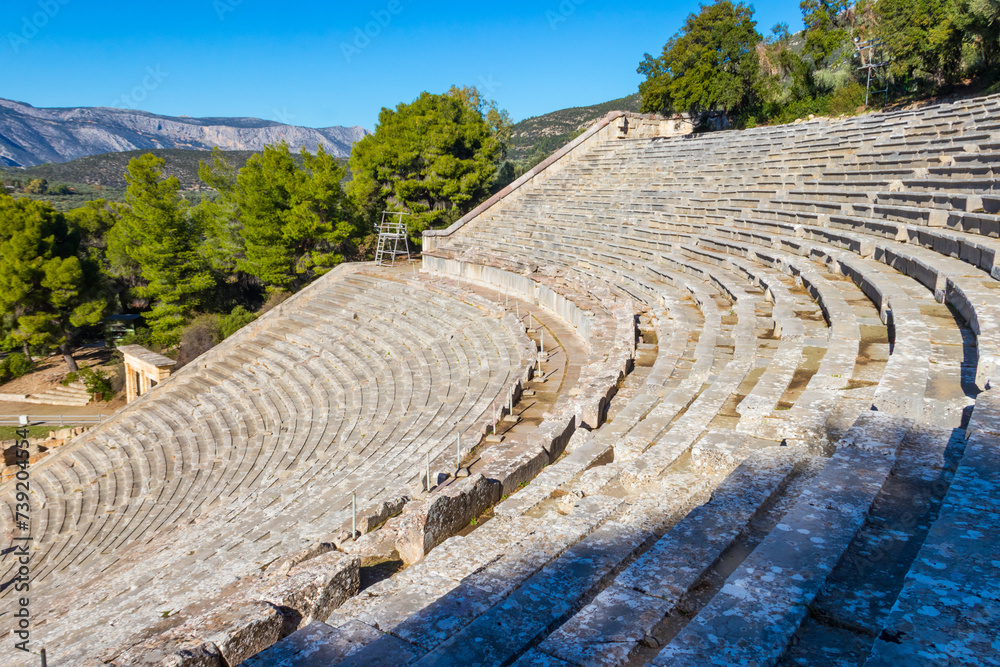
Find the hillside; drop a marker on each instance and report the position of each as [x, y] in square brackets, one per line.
[31, 136]
[103, 176]
[108, 170]
[543, 134]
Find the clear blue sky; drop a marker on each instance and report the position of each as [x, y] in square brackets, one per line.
[310, 63]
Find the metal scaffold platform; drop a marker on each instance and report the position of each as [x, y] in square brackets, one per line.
[393, 239]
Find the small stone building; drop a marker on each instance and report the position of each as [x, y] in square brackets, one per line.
[144, 370]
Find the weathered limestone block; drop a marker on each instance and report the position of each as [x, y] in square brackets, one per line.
[382, 512]
[311, 590]
[374, 547]
[319, 645]
[515, 466]
[553, 435]
[591, 405]
[579, 438]
[238, 629]
[442, 515]
[283, 566]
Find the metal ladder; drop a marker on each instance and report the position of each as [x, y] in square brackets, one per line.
[393, 239]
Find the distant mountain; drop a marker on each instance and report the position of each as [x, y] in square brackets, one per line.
[107, 170]
[30, 136]
[543, 134]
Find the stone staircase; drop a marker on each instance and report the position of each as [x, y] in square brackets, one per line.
[73, 394]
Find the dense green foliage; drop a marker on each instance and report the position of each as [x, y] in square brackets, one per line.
[158, 239]
[282, 224]
[718, 63]
[825, 29]
[434, 158]
[49, 288]
[710, 65]
[96, 380]
[199, 263]
[234, 321]
[15, 365]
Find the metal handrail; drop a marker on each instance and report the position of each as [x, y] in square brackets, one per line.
[62, 420]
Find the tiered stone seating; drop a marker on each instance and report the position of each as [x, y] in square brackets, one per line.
[254, 451]
[822, 301]
[798, 469]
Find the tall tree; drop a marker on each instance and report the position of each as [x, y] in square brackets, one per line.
[825, 28]
[49, 286]
[979, 22]
[711, 64]
[276, 221]
[158, 238]
[433, 158]
[922, 37]
[94, 220]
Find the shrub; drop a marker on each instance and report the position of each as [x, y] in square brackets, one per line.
[96, 380]
[275, 299]
[14, 366]
[141, 336]
[847, 99]
[198, 337]
[234, 321]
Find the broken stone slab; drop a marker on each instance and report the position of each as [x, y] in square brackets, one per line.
[239, 629]
[312, 590]
[385, 510]
[442, 515]
[554, 434]
[515, 465]
[284, 565]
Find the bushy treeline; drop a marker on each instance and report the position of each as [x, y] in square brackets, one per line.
[197, 270]
[719, 64]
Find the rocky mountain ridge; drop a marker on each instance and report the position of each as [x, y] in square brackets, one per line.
[31, 136]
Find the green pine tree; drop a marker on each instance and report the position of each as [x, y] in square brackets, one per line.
[434, 158]
[158, 239]
[281, 223]
[50, 288]
[710, 65]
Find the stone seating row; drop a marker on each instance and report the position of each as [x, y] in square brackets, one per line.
[869, 449]
[980, 254]
[256, 416]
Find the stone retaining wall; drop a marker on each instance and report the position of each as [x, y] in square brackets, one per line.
[38, 449]
[522, 287]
